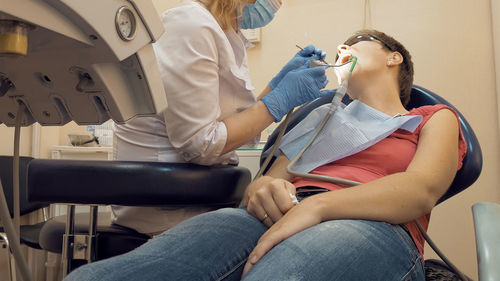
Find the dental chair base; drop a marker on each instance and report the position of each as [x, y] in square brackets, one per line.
[106, 241]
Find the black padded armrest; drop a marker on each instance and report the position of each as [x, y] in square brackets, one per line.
[6, 165]
[134, 183]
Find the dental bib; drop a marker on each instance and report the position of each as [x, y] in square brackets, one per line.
[351, 129]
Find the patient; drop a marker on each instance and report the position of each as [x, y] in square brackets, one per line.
[365, 232]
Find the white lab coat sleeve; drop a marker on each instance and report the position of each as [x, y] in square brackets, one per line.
[189, 63]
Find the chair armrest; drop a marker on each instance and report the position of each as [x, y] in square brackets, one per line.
[487, 228]
[135, 183]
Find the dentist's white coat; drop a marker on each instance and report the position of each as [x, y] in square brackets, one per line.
[206, 78]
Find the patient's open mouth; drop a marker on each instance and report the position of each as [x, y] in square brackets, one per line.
[345, 58]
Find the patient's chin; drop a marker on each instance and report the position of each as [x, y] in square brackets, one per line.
[341, 74]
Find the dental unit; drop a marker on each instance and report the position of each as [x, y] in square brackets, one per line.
[65, 60]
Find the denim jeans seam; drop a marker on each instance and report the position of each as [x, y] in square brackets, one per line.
[410, 272]
[407, 240]
[413, 251]
[233, 269]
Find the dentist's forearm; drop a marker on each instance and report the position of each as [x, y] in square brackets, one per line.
[266, 91]
[246, 125]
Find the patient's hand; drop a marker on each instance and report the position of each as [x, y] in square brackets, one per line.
[306, 214]
[268, 199]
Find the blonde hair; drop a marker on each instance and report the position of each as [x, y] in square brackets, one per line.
[225, 11]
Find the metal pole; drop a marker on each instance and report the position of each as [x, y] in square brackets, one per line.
[11, 233]
[92, 234]
[68, 240]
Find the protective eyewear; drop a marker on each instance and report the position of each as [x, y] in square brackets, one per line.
[365, 37]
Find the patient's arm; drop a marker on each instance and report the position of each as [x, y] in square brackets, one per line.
[404, 196]
[276, 171]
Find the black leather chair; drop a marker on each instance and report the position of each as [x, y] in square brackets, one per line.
[465, 177]
[29, 234]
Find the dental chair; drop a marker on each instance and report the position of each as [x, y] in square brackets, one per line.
[29, 234]
[151, 184]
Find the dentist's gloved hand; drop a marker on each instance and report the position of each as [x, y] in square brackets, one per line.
[296, 88]
[303, 56]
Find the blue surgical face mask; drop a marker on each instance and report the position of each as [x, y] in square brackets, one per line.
[258, 14]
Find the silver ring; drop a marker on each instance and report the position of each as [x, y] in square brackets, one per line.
[265, 217]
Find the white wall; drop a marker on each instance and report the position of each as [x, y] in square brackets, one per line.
[495, 16]
[7, 141]
[162, 5]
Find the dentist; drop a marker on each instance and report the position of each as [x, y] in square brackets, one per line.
[212, 109]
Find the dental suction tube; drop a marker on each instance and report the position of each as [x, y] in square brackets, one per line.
[336, 101]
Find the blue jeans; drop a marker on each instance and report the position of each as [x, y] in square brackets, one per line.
[216, 245]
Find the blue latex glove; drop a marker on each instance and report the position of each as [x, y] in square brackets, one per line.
[296, 88]
[303, 56]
